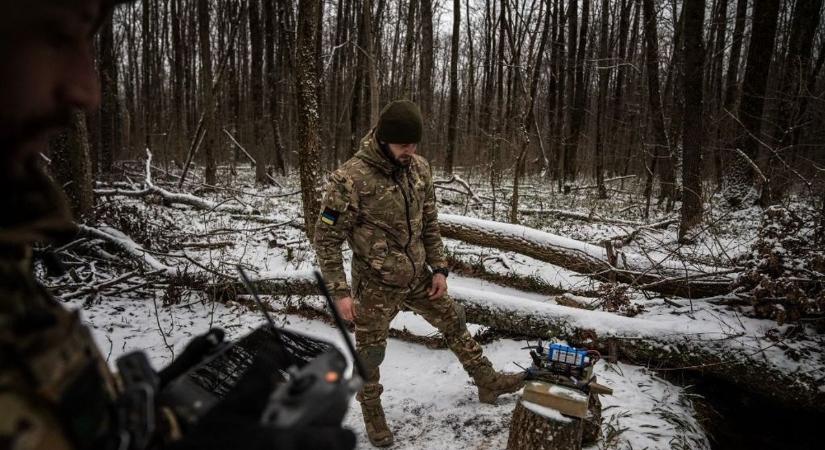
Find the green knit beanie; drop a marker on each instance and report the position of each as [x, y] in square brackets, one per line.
[399, 123]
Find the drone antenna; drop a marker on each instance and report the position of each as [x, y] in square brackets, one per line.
[275, 331]
[339, 322]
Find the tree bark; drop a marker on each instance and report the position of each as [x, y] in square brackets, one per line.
[308, 124]
[110, 123]
[205, 82]
[452, 126]
[71, 165]
[692, 130]
[529, 430]
[256, 89]
[740, 176]
[425, 72]
[274, 93]
[660, 147]
[601, 104]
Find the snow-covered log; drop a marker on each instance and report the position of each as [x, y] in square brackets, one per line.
[657, 272]
[742, 356]
[669, 342]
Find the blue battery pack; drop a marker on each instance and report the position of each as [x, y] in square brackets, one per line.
[562, 354]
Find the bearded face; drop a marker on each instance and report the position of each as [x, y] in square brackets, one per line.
[46, 70]
[403, 153]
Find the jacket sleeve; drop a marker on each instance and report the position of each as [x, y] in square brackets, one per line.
[431, 233]
[335, 221]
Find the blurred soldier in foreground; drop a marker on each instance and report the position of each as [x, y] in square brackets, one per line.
[382, 203]
[56, 391]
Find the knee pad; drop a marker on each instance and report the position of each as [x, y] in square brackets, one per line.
[372, 356]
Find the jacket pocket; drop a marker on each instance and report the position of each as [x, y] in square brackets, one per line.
[378, 254]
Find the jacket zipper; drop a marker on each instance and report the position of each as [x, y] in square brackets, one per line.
[409, 228]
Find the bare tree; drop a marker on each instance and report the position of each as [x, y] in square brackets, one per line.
[692, 131]
[307, 76]
[740, 176]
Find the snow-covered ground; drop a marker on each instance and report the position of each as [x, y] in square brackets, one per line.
[429, 400]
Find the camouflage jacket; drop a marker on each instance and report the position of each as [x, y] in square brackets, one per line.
[386, 213]
[56, 391]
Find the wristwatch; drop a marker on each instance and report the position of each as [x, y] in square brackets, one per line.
[443, 271]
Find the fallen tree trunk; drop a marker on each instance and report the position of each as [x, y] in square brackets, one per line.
[656, 272]
[662, 343]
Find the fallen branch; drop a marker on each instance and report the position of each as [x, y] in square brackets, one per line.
[173, 197]
[126, 245]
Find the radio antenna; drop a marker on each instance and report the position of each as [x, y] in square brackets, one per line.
[275, 331]
[339, 322]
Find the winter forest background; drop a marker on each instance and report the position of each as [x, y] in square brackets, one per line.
[642, 176]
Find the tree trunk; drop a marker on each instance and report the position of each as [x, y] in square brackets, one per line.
[452, 127]
[71, 165]
[601, 105]
[409, 39]
[571, 140]
[308, 124]
[359, 121]
[425, 72]
[110, 123]
[256, 90]
[692, 130]
[731, 88]
[660, 145]
[740, 176]
[205, 82]
[273, 91]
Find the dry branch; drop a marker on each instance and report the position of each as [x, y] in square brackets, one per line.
[173, 197]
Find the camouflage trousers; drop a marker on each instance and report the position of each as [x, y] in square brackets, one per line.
[377, 304]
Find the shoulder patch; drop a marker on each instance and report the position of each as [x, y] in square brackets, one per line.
[329, 216]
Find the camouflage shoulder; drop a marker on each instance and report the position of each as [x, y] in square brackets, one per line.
[422, 166]
[356, 169]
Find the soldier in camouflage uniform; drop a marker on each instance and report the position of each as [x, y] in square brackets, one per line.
[382, 202]
[56, 391]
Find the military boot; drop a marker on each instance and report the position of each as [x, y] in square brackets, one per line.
[377, 430]
[492, 384]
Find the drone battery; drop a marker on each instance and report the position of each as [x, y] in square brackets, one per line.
[559, 353]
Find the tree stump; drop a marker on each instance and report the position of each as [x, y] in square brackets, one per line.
[534, 427]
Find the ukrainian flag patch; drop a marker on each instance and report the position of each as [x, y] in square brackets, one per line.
[329, 216]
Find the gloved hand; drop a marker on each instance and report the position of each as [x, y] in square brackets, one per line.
[235, 422]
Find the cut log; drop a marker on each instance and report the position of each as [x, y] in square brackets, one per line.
[656, 272]
[535, 427]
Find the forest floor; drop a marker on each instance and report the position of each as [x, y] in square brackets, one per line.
[157, 303]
